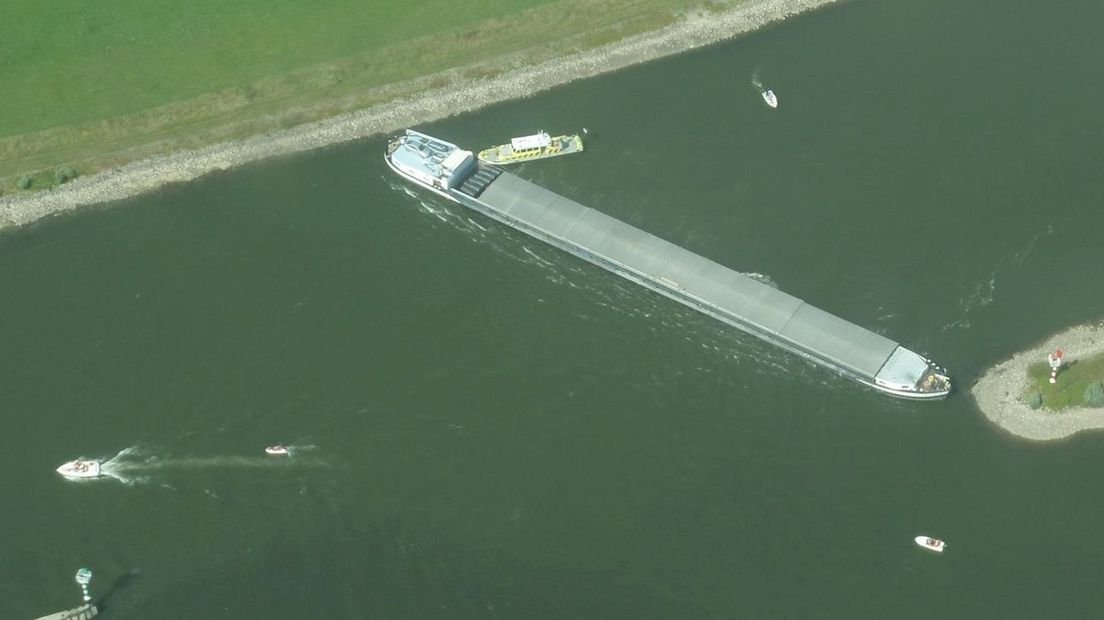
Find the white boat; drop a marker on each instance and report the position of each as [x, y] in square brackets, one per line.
[770, 98]
[928, 542]
[80, 468]
[277, 450]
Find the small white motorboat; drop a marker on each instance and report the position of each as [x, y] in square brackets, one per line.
[80, 468]
[928, 542]
[770, 98]
[277, 450]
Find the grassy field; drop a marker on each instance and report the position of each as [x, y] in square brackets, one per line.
[1073, 378]
[89, 60]
[94, 84]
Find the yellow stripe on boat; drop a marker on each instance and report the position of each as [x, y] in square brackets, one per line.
[527, 148]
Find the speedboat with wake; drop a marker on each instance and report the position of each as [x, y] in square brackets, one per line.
[928, 542]
[770, 98]
[80, 468]
[277, 450]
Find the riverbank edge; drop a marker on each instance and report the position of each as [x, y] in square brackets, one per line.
[141, 176]
[999, 391]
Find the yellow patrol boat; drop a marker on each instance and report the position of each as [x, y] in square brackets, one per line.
[527, 148]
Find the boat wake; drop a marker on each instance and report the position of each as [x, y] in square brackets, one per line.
[767, 94]
[983, 293]
[495, 236]
[140, 464]
[761, 278]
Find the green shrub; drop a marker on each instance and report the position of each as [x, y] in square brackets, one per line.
[65, 173]
[1094, 394]
[1035, 400]
[24, 182]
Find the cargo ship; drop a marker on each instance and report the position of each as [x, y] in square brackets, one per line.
[527, 148]
[709, 287]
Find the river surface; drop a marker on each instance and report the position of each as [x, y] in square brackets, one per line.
[484, 426]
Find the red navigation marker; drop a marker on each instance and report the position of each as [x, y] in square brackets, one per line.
[1055, 360]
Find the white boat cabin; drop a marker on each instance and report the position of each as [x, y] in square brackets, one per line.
[538, 140]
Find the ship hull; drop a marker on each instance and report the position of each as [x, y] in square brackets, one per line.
[669, 288]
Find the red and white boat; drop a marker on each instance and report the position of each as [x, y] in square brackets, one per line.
[934, 544]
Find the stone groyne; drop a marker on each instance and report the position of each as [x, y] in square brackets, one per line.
[999, 392]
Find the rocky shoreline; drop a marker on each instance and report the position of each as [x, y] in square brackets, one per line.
[999, 392]
[691, 31]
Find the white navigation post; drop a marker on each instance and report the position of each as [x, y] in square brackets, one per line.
[84, 577]
[1055, 360]
[87, 611]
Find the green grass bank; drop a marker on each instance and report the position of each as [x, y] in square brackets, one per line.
[1074, 387]
[93, 85]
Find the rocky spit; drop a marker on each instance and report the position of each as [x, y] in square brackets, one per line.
[999, 393]
[691, 31]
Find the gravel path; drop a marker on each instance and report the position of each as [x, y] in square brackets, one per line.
[141, 176]
[998, 392]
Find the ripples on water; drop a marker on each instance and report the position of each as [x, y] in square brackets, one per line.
[755, 357]
[143, 464]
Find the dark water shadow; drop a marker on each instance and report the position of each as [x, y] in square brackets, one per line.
[121, 583]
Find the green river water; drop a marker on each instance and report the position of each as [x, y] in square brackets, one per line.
[485, 427]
